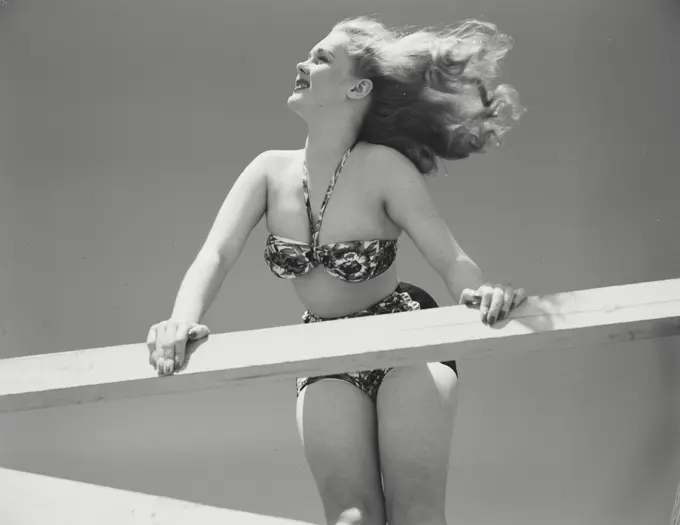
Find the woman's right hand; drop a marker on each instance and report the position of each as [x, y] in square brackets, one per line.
[167, 343]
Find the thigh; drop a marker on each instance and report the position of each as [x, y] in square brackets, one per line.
[416, 408]
[338, 428]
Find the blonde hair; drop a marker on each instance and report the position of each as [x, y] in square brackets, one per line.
[432, 94]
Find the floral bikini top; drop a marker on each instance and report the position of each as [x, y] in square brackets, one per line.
[350, 261]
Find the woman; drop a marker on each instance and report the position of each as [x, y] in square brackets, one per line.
[381, 106]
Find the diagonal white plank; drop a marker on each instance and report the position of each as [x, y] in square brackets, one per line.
[675, 515]
[563, 320]
[30, 499]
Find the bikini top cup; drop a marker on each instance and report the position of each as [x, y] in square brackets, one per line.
[350, 261]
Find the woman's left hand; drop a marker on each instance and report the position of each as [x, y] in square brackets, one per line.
[495, 300]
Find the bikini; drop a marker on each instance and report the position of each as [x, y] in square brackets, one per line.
[349, 261]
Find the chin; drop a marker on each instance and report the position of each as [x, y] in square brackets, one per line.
[295, 103]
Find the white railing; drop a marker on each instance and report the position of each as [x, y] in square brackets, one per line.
[564, 321]
[32, 499]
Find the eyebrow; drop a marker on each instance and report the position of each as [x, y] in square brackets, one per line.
[322, 50]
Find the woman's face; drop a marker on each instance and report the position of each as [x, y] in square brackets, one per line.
[326, 79]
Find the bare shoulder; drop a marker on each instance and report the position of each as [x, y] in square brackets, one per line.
[277, 159]
[393, 170]
[265, 167]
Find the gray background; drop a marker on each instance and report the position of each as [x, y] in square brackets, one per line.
[124, 124]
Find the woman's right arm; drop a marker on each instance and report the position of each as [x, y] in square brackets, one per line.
[241, 211]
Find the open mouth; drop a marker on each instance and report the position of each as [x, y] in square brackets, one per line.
[300, 85]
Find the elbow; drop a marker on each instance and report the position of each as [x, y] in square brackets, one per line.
[211, 261]
[223, 255]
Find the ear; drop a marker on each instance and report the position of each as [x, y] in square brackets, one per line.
[361, 89]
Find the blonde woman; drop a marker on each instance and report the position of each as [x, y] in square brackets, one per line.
[381, 107]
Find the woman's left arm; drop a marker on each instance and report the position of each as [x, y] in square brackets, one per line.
[409, 205]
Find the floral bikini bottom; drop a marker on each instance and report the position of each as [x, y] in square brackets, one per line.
[406, 298]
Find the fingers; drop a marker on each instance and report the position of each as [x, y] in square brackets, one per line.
[497, 298]
[156, 342]
[199, 332]
[469, 297]
[165, 347]
[486, 292]
[151, 345]
[508, 298]
[495, 301]
[181, 337]
[167, 344]
[520, 297]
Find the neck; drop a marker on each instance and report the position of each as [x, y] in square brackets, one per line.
[328, 139]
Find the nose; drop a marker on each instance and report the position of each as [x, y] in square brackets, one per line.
[302, 69]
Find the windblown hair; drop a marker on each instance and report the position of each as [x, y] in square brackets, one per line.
[432, 96]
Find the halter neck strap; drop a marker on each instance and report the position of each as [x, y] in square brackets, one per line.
[305, 187]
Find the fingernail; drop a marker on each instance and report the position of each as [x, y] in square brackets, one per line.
[492, 320]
